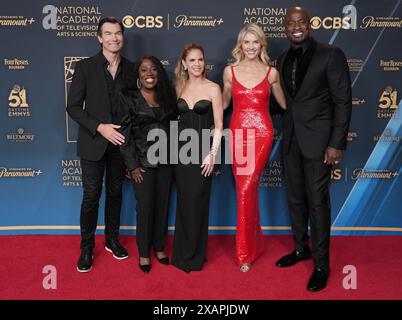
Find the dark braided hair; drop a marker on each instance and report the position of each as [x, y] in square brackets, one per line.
[165, 94]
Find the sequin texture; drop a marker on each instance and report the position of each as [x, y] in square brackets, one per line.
[252, 137]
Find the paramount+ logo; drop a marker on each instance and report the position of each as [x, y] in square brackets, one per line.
[143, 22]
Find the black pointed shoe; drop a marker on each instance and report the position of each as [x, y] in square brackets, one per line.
[85, 261]
[318, 280]
[113, 246]
[164, 260]
[145, 267]
[294, 257]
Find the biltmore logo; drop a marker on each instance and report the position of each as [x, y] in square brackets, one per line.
[17, 102]
[20, 136]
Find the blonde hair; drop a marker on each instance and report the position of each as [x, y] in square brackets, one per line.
[181, 74]
[254, 29]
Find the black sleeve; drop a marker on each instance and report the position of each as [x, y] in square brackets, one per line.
[128, 128]
[75, 101]
[341, 92]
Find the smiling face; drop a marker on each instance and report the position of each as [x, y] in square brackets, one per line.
[148, 74]
[297, 25]
[111, 37]
[194, 62]
[251, 46]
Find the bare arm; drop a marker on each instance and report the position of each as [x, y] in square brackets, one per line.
[277, 88]
[217, 108]
[227, 87]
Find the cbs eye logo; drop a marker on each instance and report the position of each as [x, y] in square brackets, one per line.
[141, 22]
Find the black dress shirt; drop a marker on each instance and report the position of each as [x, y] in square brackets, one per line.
[295, 70]
[113, 86]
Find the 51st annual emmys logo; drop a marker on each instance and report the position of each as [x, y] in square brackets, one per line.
[18, 102]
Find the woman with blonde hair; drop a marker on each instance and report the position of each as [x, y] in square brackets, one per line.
[200, 109]
[250, 81]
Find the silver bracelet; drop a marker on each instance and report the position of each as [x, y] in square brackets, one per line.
[213, 151]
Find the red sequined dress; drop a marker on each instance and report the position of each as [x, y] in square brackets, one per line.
[252, 136]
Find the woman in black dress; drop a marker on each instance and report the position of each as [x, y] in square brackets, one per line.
[149, 108]
[200, 108]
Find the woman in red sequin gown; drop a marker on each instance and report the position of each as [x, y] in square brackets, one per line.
[252, 133]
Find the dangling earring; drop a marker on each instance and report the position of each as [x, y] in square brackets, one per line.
[138, 84]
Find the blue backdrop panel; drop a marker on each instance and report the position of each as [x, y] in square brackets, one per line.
[40, 182]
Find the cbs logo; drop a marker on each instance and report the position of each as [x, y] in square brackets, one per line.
[142, 22]
[348, 21]
[336, 174]
[331, 23]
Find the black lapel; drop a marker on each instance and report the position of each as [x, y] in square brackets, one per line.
[284, 87]
[306, 80]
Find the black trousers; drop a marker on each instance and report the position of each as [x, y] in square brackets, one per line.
[152, 197]
[307, 187]
[111, 166]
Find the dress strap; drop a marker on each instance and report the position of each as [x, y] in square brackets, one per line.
[268, 72]
[233, 74]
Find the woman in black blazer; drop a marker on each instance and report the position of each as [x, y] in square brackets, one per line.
[149, 108]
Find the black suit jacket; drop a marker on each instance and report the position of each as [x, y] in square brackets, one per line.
[138, 119]
[321, 110]
[89, 86]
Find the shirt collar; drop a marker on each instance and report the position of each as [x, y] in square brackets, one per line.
[105, 62]
[304, 46]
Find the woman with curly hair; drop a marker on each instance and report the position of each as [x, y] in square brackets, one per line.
[151, 107]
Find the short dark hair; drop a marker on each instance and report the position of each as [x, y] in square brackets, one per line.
[110, 20]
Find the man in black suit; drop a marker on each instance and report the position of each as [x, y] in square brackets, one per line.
[97, 80]
[316, 82]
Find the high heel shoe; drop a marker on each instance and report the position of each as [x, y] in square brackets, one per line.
[164, 260]
[245, 267]
[144, 267]
[186, 270]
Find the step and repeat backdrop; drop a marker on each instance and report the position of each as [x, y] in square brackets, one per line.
[40, 175]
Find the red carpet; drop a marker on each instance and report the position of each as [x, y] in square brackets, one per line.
[378, 261]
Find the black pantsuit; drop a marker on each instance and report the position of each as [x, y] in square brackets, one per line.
[152, 196]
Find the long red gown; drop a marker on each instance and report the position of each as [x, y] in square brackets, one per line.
[250, 115]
